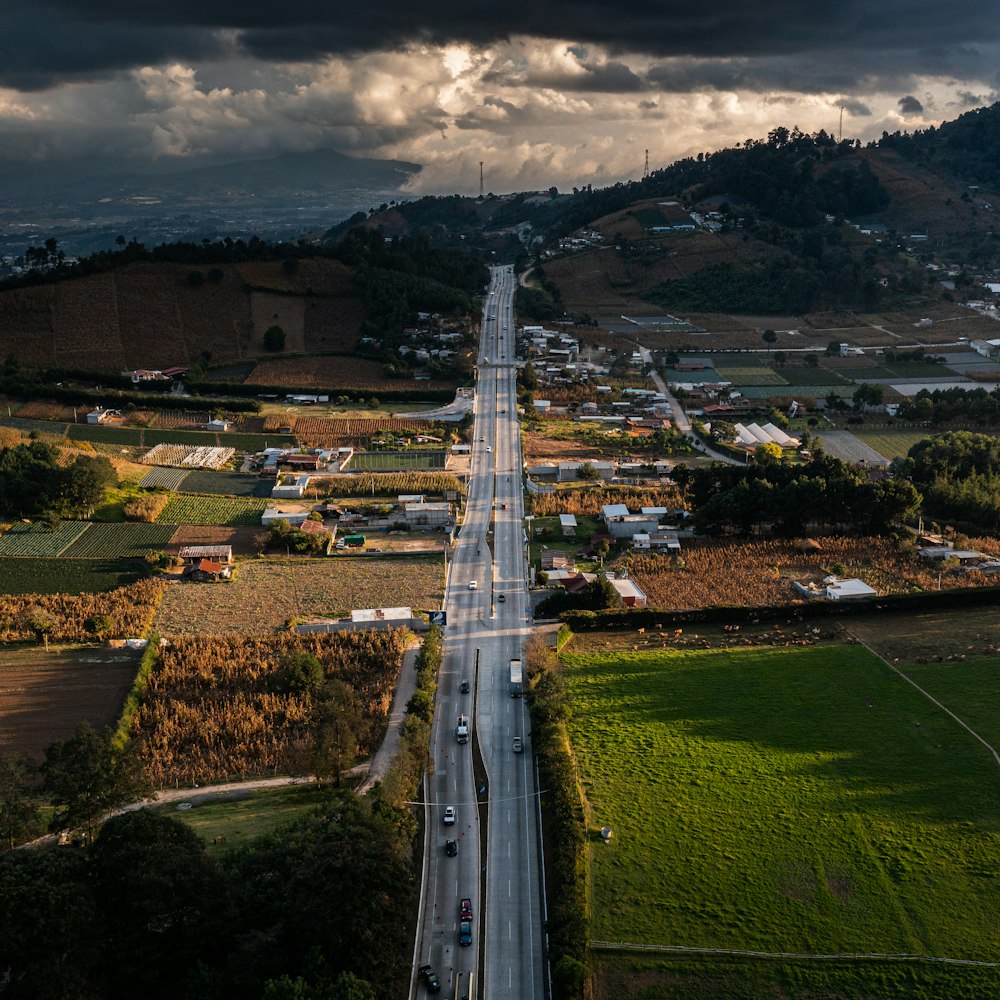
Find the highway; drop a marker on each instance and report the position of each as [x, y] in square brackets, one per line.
[498, 845]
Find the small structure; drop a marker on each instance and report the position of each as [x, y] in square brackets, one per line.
[293, 490]
[218, 425]
[280, 512]
[848, 590]
[554, 559]
[567, 522]
[427, 515]
[100, 415]
[942, 552]
[193, 554]
[629, 594]
[206, 569]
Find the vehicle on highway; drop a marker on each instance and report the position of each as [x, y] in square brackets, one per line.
[518, 744]
[501, 598]
[449, 816]
[465, 687]
[451, 848]
[429, 978]
[474, 584]
[465, 909]
[462, 729]
[465, 933]
[488, 449]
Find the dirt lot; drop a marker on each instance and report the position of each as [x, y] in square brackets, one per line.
[45, 695]
[246, 541]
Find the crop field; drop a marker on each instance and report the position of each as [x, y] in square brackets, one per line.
[44, 695]
[39, 540]
[106, 434]
[333, 372]
[383, 484]
[233, 484]
[751, 376]
[799, 800]
[245, 540]
[711, 573]
[798, 390]
[215, 707]
[116, 541]
[384, 460]
[164, 478]
[231, 511]
[590, 501]
[891, 443]
[66, 576]
[805, 375]
[267, 593]
[850, 448]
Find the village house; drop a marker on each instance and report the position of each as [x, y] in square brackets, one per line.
[193, 554]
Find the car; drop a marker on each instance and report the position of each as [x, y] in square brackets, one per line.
[449, 816]
[482, 439]
[501, 598]
[465, 909]
[429, 978]
[488, 449]
[473, 585]
[465, 933]
[465, 687]
[451, 848]
[518, 744]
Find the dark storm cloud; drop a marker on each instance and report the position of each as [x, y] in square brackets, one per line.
[609, 78]
[856, 108]
[909, 105]
[55, 39]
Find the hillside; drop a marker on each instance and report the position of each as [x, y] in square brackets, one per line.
[152, 315]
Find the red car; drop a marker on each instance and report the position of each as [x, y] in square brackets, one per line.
[467, 909]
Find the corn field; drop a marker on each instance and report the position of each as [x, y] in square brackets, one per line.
[590, 501]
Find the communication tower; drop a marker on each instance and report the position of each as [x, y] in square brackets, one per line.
[480, 178]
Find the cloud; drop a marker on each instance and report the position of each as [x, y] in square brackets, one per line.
[856, 108]
[909, 105]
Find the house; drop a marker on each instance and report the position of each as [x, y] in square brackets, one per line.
[848, 590]
[554, 559]
[193, 554]
[294, 461]
[293, 515]
[317, 528]
[567, 522]
[206, 569]
[569, 472]
[291, 490]
[427, 515]
[629, 594]
[100, 416]
[657, 540]
[218, 425]
[943, 552]
[630, 524]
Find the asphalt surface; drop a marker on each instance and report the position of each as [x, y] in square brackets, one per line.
[483, 633]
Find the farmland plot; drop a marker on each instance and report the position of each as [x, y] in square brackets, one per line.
[194, 509]
[164, 478]
[848, 448]
[44, 695]
[385, 460]
[34, 540]
[233, 484]
[67, 576]
[246, 541]
[266, 593]
[114, 541]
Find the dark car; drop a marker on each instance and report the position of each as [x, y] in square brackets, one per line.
[431, 981]
[465, 687]
[451, 848]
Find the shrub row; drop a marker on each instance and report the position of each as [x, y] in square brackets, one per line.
[591, 621]
[564, 825]
[123, 728]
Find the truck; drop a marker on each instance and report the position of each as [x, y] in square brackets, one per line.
[462, 729]
[354, 541]
[516, 679]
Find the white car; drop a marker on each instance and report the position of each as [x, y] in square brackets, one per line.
[488, 449]
[473, 585]
[449, 816]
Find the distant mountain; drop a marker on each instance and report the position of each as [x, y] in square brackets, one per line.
[321, 171]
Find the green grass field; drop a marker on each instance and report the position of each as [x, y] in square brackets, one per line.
[751, 376]
[890, 444]
[384, 460]
[237, 818]
[67, 576]
[801, 800]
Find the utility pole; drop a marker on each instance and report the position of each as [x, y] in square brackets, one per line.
[480, 178]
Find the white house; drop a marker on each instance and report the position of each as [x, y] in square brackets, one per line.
[848, 590]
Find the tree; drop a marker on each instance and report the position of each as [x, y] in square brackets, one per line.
[780, 359]
[770, 336]
[39, 621]
[587, 472]
[18, 798]
[337, 720]
[86, 778]
[769, 452]
[100, 626]
[302, 673]
[274, 338]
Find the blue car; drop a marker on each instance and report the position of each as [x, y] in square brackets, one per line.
[465, 933]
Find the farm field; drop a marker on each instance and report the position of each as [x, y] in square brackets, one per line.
[751, 376]
[590, 501]
[850, 448]
[232, 484]
[245, 540]
[388, 484]
[164, 478]
[797, 800]
[230, 511]
[336, 371]
[713, 573]
[266, 593]
[45, 695]
[384, 460]
[115, 541]
[67, 576]
[891, 443]
[39, 540]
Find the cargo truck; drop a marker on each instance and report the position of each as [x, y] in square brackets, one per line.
[516, 679]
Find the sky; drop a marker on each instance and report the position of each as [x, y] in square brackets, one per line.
[543, 93]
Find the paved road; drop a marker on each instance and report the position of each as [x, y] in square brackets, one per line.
[482, 635]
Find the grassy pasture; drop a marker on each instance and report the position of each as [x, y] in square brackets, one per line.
[802, 800]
